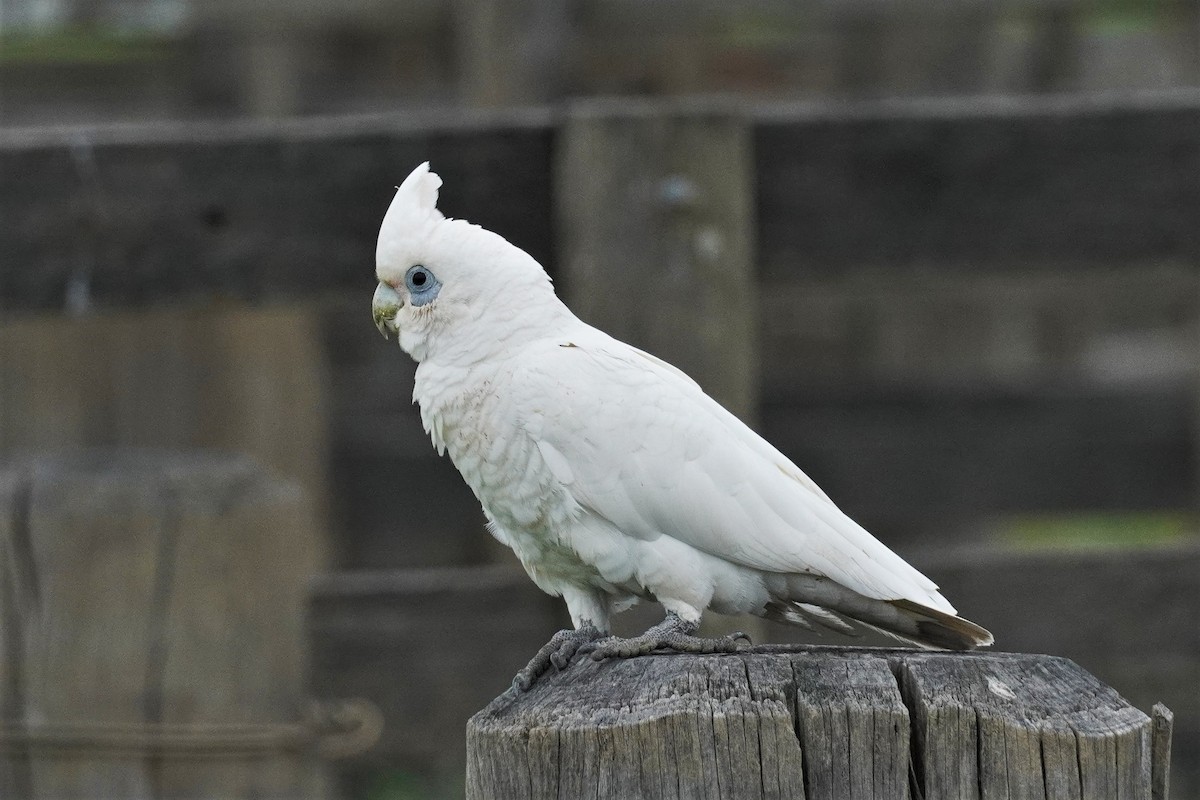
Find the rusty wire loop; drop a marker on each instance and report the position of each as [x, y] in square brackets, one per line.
[330, 730]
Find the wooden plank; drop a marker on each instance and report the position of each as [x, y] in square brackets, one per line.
[75, 620]
[290, 209]
[918, 462]
[139, 215]
[980, 720]
[90, 548]
[960, 185]
[19, 598]
[233, 648]
[1164, 722]
[513, 52]
[654, 209]
[154, 592]
[1119, 327]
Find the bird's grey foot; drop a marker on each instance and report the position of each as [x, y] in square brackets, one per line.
[672, 635]
[557, 652]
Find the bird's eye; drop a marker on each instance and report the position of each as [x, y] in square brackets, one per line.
[422, 285]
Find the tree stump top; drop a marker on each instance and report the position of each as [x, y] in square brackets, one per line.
[790, 721]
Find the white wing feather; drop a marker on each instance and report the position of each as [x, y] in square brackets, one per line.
[643, 447]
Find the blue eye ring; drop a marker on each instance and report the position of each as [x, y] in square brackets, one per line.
[422, 284]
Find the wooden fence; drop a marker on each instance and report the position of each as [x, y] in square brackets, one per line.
[228, 58]
[954, 308]
[942, 310]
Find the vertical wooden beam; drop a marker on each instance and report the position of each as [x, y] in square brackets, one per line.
[1160, 751]
[512, 51]
[275, 52]
[482, 63]
[655, 215]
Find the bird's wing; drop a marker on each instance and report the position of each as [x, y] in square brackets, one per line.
[640, 444]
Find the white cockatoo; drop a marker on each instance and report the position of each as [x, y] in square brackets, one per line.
[610, 473]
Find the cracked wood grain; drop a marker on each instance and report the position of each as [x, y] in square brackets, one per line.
[818, 722]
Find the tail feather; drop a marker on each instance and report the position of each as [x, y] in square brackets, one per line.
[827, 619]
[903, 619]
[806, 615]
[943, 631]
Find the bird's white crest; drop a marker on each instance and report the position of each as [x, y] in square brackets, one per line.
[490, 293]
[411, 216]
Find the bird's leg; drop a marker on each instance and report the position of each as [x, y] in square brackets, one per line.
[674, 635]
[557, 652]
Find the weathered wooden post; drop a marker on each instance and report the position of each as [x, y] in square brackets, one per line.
[655, 219]
[819, 722]
[151, 628]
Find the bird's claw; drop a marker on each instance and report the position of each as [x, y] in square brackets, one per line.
[556, 653]
[561, 658]
[658, 642]
[738, 636]
[673, 635]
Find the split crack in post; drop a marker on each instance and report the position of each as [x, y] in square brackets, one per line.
[762, 776]
[916, 744]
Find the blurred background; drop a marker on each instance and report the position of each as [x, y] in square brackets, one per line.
[945, 255]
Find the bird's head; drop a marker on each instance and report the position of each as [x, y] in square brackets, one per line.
[449, 287]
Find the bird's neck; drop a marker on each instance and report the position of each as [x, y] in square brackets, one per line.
[482, 355]
[495, 336]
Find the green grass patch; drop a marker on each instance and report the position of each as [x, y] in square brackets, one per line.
[1098, 530]
[1115, 19]
[400, 784]
[81, 46]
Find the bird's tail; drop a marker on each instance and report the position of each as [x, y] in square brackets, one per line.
[933, 629]
[822, 602]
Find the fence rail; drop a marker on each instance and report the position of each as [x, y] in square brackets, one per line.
[261, 211]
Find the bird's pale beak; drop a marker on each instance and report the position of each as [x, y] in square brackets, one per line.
[385, 305]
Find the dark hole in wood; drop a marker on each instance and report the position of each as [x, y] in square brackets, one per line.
[214, 217]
